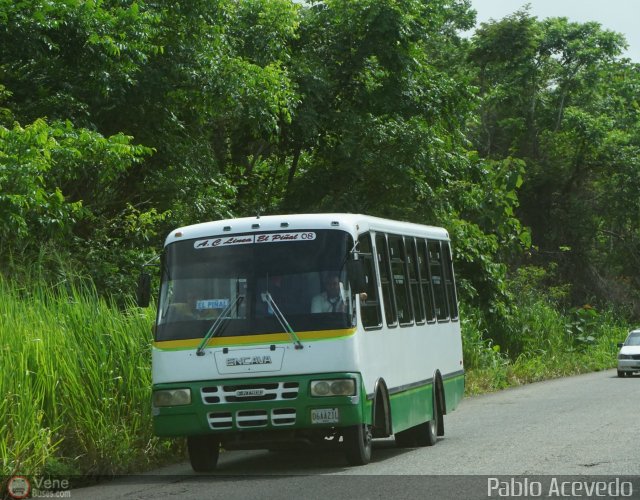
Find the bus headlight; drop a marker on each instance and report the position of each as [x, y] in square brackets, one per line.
[339, 387]
[172, 397]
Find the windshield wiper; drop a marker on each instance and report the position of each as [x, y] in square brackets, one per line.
[283, 321]
[216, 324]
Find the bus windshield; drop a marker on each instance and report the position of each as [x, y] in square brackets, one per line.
[302, 273]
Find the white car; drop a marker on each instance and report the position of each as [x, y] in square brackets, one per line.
[629, 355]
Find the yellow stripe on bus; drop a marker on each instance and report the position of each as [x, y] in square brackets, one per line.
[254, 339]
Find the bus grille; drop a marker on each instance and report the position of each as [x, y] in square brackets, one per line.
[248, 393]
[247, 419]
[251, 418]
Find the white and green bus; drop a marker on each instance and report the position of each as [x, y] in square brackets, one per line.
[317, 329]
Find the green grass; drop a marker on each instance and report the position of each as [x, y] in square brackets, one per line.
[76, 384]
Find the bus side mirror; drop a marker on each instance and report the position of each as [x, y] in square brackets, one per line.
[143, 293]
[355, 271]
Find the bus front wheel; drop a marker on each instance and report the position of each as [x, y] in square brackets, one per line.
[357, 444]
[203, 452]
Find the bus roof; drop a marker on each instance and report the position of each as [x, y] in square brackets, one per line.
[352, 223]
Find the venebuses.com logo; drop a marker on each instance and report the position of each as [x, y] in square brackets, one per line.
[19, 487]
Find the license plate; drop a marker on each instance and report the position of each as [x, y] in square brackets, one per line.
[324, 416]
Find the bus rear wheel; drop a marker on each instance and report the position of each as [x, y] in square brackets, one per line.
[357, 442]
[203, 452]
[427, 432]
[424, 434]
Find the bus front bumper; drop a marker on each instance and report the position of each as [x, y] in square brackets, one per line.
[277, 406]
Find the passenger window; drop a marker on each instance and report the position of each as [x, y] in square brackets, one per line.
[385, 280]
[425, 280]
[438, 280]
[400, 280]
[449, 281]
[414, 280]
[369, 307]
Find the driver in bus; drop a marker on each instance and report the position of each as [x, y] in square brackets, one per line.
[332, 298]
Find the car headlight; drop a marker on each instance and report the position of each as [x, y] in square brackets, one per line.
[339, 387]
[172, 397]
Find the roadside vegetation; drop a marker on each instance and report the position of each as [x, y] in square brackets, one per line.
[76, 382]
[120, 120]
[539, 338]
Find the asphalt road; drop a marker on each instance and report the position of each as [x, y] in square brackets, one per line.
[584, 426]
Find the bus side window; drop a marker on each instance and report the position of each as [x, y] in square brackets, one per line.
[400, 280]
[425, 280]
[437, 280]
[370, 307]
[385, 280]
[450, 281]
[414, 279]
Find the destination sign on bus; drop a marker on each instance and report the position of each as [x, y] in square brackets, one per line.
[228, 241]
[202, 305]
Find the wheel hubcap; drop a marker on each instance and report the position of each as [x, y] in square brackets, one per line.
[367, 435]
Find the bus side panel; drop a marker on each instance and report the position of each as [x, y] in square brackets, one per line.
[412, 407]
[453, 391]
[405, 357]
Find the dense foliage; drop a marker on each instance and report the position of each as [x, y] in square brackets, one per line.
[120, 119]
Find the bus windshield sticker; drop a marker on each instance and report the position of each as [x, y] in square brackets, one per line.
[280, 237]
[223, 242]
[254, 238]
[202, 305]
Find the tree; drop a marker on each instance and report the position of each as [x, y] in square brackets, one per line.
[190, 111]
[557, 95]
[72, 59]
[55, 185]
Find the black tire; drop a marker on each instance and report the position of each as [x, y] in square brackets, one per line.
[621, 373]
[203, 452]
[357, 442]
[427, 432]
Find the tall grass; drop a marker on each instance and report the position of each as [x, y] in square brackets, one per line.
[75, 380]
